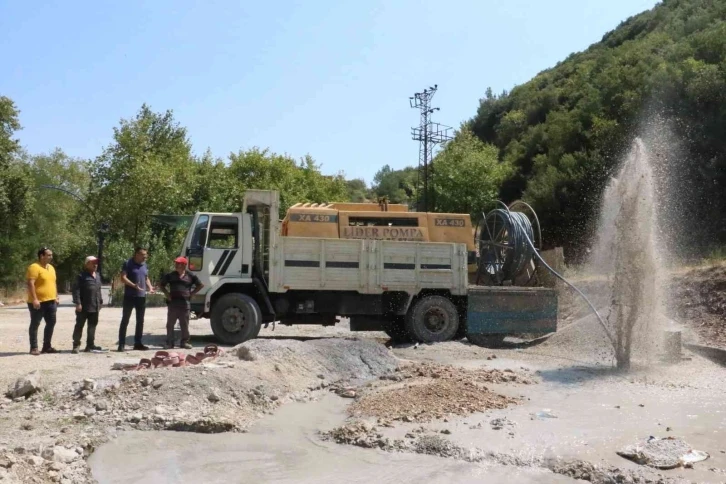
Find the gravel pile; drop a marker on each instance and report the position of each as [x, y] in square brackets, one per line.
[427, 391]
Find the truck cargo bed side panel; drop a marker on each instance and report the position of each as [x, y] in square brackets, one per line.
[424, 265]
[367, 266]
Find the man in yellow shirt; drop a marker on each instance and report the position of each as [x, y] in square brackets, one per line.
[42, 300]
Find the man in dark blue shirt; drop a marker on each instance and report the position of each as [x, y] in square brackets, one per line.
[135, 276]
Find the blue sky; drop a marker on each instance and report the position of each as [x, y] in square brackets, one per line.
[329, 79]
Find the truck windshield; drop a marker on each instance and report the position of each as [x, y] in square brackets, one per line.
[199, 237]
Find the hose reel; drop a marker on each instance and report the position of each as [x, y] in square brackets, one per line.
[504, 255]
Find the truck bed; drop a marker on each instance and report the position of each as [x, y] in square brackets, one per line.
[367, 266]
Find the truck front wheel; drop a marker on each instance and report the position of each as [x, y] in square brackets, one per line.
[432, 319]
[235, 318]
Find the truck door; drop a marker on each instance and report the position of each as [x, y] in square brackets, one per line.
[223, 255]
[215, 249]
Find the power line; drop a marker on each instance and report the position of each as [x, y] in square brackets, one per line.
[428, 134]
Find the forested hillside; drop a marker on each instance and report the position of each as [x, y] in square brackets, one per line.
[564, 130]
[562, 134]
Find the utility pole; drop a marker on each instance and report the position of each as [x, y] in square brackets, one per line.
[429, 134]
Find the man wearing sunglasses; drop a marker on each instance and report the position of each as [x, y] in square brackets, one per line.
[88, 300]
[42, 300]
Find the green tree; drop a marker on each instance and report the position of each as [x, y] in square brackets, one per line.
[148, 169]
[61, 221]
[262, 169]
[468, 175]
[16, 198]
[398, 186]
[357, 190]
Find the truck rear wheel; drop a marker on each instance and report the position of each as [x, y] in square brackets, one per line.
[432, 319]
[236, 318]
[487, 340]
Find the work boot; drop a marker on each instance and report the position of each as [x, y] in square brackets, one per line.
[49, 349]
[34, 352]
[93, 348]
[140, 347]
[169, 346]
[186, 345]
[76, 349]
[121, 348]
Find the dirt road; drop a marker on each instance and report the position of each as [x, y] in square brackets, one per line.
[550, 413]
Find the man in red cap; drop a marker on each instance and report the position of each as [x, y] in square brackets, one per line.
[178, 296]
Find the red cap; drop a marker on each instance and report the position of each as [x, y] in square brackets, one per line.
[181, 260]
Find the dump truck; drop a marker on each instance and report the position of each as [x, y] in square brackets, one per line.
[386, 269]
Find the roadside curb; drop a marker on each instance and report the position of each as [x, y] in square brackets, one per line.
[717, 355]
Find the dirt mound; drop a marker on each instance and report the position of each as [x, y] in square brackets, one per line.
[428, 391]
[225, 394]
[698, 299]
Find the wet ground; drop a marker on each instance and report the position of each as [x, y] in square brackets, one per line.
[284, 448]
[578, 411]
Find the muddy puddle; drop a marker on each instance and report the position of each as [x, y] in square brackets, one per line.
[283, 448]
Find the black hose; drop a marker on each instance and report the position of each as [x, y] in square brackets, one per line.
[522, 244]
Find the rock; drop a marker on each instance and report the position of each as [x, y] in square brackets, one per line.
[59, 454]
[89, 412]
[157, 384]
[89, 384]
[245, 353]
[5, 463]
[446, 431]
[116, 385]
[25, 386]
[34, 460]
[136, 418]
[274, 397]
[101, 406]
[79, 415]
[90, 398]
[348, 394]
[160, 410]
[213, 396]
[56, 466]
[321, 376]
[146, 381]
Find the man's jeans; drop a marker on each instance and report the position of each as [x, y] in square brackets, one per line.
[46, 311]
[132, 303]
